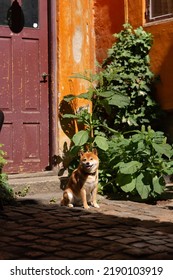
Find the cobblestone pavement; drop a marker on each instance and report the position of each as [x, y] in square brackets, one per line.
[32, 229]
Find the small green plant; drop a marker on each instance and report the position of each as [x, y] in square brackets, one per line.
[23, 192]
[2, 160]
[53, 200]
[6, 193]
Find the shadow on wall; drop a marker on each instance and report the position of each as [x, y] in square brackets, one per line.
[67, 125]
[109, 18]
[1, 119]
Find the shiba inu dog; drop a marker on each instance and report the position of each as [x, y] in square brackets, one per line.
[83, 183]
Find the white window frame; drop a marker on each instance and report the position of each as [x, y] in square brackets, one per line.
[149, 13]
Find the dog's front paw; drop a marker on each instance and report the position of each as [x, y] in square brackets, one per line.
[95, 205]
[86, 207]
[70, 205]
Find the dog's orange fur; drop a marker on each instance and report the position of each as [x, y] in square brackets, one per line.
[83, 183]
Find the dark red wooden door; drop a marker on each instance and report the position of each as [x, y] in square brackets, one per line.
[23, 91]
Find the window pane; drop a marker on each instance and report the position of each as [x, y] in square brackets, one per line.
[4, 6]
[30, 10]
[161, 8]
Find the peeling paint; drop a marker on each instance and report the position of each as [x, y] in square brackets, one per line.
[77, 44]
[87, 34]
[79, 7]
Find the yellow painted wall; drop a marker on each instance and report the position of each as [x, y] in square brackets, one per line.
[162, 51]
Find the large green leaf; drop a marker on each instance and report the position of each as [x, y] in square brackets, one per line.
[158, 184]
[106, 94]
[168, 168]
[119, 100]
[142, 187]
[101, 142]
[86, 95]
[80, 138]
[143, 190]
[69, 116]
[130, 186]
[163, 149]
[129, 167]
[84, 76]
[69, 97]
[123, 179]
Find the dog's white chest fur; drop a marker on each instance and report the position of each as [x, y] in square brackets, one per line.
[90, 183]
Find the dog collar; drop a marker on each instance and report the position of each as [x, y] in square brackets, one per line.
[88, 173]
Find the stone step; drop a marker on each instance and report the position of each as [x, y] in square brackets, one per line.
[42, 198]
[36, 183]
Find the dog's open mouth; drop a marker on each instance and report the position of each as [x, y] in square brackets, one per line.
[88, 166]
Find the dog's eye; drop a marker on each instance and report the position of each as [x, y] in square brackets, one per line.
[91, 158]
[84, 159]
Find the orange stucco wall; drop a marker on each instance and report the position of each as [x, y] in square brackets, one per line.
[109, 18]
[76, 45]
[84, 33]
[162, 51]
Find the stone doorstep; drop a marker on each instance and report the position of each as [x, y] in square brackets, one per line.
[31, 175]
[36, 183]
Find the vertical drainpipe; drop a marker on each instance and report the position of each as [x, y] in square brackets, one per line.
[126, 11]
[53, 87]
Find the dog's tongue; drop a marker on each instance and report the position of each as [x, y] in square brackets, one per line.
[88, 166]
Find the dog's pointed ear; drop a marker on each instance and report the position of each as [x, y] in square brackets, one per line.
[81, 152]
[87, 147]
[94, 150]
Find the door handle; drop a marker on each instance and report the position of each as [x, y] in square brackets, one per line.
[44, 77]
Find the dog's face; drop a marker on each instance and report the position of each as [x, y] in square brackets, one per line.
[89, 161]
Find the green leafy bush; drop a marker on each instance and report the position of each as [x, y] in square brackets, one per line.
[137, 164]
[128, 77]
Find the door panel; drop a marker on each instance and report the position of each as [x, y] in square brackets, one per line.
[23, 93]
[6, 75]
[31, 75]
